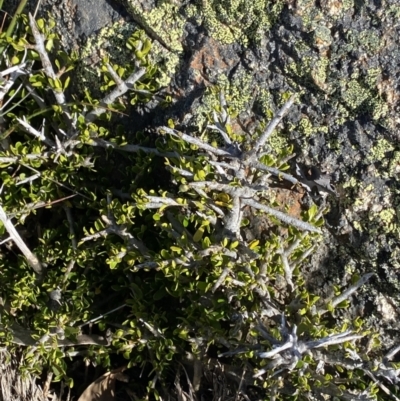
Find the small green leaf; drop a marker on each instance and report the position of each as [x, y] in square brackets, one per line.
[198, 234]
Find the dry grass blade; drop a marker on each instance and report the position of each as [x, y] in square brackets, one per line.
[14, 387]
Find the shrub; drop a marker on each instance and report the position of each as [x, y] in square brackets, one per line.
[107, 251]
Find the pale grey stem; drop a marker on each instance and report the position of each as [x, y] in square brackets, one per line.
[197, 142]
[31, 156]
[272, 125]
[130, 148]
[153, 330]
[32, 91]
[381, 385]
[121, 88]
[114, 75]
[122, 232]
[216, 209]
[351, 290]
[332, 340]
[238, 283]
[180, 171]
[221, 279]
[47, 66]
[212, 219]
[227, 166]
[14, 72]
[302, 225]
[24, 337]
[346, 294]
[71, 226]
[260, 373]
[243, 192]
[158, 200]
[392, 353]
[219, 128]
[274, 171]
[14, 68]
[68, 270]
[101, 316]
[6, 240]
[305, 255]
[28, 179]
[288, 251]
[276, 350]
[233, 218]
[33, 261]
[9, 100]
[34, 132]
[102, 233]
[224, 114]
[287, 269]
[202, 193]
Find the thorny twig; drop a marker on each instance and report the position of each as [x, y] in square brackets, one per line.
[48, 69]
[302, 225]
[121, 88]
[32, 259]
[272, 125]
[347, 293]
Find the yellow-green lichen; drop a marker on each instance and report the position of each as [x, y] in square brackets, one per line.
[351, 183]
[394, 164]
[230, 21]
[370, 41]
[237, 92]
[278, 142]
[372, 76]
[394, 10]
[380, 151]
[354, 94]
[357, 225]
[163, 23]
[348, 4]
[319, 73]
[387, 215]
[307, 128]
[322, 36]
[111, 42]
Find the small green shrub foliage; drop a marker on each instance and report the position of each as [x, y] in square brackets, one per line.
[125, 243]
